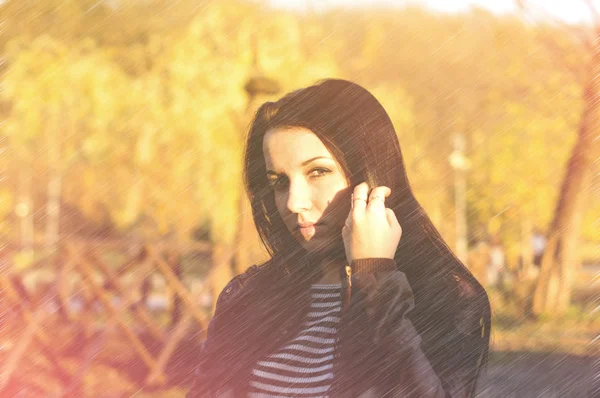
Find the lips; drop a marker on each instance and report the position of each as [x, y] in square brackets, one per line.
[308, 232]
[307, 229]
[306, 224]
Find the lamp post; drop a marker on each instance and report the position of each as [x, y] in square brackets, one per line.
[460, 164]
[259, 85]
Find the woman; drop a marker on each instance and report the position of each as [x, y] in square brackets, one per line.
[361, 296]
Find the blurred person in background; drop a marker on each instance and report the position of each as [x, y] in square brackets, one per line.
[496, 269]
[538, 243]
[361, 296]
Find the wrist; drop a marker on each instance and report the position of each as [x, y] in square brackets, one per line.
[372, 265]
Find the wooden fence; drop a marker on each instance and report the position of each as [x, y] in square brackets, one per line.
[107, 298]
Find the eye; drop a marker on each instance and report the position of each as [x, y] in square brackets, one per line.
[318, 172]
[281, 182]
[278, 184]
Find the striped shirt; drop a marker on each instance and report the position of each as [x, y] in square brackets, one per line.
[303, 367]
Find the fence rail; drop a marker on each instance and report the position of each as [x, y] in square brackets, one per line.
[105, 295]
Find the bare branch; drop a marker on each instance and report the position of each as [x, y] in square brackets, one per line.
[594, 11]
[536, 14]
[582, 36]
[554, 48]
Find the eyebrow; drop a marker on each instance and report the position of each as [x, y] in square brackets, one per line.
[271, 172]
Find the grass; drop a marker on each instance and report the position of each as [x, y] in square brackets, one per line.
[513, 336]
[572, 333]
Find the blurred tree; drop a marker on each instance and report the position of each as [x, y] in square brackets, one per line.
[142, 127]
[58, 96]
[561, 258]
[482, 75]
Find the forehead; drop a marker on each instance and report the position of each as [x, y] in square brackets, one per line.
[285, 147]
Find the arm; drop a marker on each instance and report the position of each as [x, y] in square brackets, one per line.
[208, 372]
[200, 386]
[403, 370]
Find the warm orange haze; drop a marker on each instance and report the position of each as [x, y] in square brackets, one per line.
[123, 213]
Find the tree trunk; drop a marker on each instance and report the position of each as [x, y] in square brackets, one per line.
[24, 211]
[571, 261]
[53, 210]
[553, 289]
[53, 200]
[526, 249]
[54, 184]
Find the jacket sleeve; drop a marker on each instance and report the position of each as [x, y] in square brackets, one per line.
[403, 369]
[208, 372]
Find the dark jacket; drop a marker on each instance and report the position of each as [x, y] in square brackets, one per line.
[379, 349]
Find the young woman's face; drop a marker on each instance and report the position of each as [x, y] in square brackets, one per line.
[307, 183]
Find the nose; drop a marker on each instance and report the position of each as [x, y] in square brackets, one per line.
[299, 197]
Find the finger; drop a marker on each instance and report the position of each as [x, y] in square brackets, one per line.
[359, 197]
[381, 191]
[377, 197]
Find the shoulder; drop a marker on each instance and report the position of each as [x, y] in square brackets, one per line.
[239, 284]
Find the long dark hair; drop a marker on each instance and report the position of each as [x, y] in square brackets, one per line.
[452, 311]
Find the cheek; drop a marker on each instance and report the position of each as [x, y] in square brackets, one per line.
[328, 198]
[339, 202]
[334, 189]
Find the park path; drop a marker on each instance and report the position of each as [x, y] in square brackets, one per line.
[541, 375]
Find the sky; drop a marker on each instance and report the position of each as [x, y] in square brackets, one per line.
[571, 11]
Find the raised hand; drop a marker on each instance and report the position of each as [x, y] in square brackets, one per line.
[371, 230]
